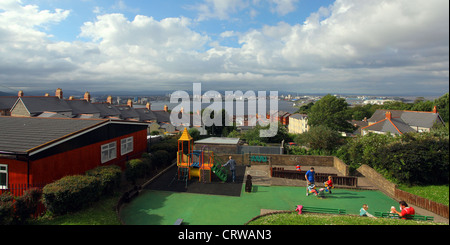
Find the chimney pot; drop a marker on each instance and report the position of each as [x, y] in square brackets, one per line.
[130, 103]
[149, 106]
[109, 100]
[388, 115]
[87, 96]
[59, 93]
[166, 108]
[20, 94]
[435, 109]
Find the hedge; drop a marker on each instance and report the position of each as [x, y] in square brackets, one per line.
[16, 211]
[71, 193]
[6, 208]
[109, 176]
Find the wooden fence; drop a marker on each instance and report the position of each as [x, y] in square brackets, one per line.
[319, 177]
[437, 208]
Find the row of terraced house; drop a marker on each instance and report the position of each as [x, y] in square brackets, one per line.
[44, 138]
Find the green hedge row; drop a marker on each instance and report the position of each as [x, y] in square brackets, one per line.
[72, 193]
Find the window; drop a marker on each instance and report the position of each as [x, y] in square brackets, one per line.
[126, 145]
[3, 177]
[109, 152]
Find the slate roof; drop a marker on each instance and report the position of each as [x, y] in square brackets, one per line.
[412, 118]
[162, 116]
[401, 121]
[82, 107]
[7, 102]
[219, 140]
[145, 114]
[37, 104]
[299, 116]
[22, 134]
[107, 110]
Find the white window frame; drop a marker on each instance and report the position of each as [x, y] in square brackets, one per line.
[126, 145]
[5, 172]
[108, 152]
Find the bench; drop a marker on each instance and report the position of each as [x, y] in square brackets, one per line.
[410, 217]
[323, 210]
[178, 222]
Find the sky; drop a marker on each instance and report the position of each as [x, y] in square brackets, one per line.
[302, 46]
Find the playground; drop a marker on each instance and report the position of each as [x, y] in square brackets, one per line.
[198, 191]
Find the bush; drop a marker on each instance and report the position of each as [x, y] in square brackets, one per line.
[71, 193]
[109, 177]
[410, 159]
[26, 205]
[160, 158]
[6, 208]
[135, 169]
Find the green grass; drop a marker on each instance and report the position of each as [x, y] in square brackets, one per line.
[315, 219]
[435, 193]
[102, 212]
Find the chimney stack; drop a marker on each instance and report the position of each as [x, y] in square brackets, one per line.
[130, 103]
[166, 108]
[388, 115]
[59, 93]
[435, 109]
[71, 98]
[149, 106]
[46, 95]
[109, 100]
[20, 94]
[87, 96]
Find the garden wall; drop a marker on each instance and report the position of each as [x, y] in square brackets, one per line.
[287, 160]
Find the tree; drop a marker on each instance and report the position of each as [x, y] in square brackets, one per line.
[331, 112]
[320, 138]
[360, 112]
[442, 105]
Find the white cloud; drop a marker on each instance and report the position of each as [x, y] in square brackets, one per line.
[219, 9]
[351, 45]
[283, 7]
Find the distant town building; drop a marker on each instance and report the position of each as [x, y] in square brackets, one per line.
[298, 123]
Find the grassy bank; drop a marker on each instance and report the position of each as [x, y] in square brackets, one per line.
[314, 219]
[437, 193]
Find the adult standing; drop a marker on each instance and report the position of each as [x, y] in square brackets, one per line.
[232, 164]
[309, 176]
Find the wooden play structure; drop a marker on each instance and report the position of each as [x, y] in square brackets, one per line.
[197, 163]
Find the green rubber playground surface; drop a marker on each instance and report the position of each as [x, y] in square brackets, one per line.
[155, 207]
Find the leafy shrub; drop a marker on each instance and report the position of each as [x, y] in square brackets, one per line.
[6, 208]
[160, 158]
[411, 159]
[71, 193]
[135, 169]
[109, 177]
[26, 205]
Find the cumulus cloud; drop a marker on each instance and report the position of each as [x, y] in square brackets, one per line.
[350, 46]
[283, 7]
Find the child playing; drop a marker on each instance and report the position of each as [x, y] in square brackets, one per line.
[329, 184]
[311, 189]
[363, 211]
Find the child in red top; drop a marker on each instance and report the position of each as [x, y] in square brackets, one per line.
[329, 184]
